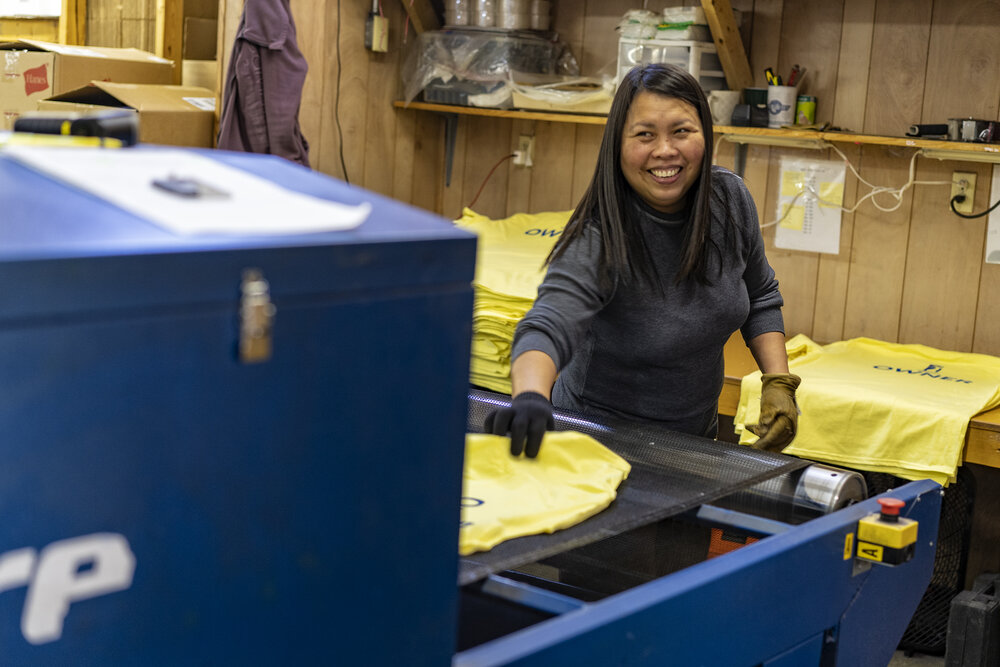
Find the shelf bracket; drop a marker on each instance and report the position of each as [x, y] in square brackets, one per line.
[740, 159]
[450, 129]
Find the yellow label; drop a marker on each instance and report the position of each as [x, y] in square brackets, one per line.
[848, 546]
[870, 551]
[894, 535]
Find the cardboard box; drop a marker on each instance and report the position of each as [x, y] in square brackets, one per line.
[200, 38]
[173, 115]
[33, 70]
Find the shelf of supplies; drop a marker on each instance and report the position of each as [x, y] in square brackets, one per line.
[932, 148]
[553, 116]
[936, 148]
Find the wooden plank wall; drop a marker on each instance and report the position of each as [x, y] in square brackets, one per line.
[122, 24]
[914, 275]
[29, 28]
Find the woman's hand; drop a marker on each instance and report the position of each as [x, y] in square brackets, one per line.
[779, 413]
[527, 419]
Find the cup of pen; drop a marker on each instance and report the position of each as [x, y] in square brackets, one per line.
[781, 105]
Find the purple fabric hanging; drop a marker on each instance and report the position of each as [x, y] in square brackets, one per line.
[263, 90]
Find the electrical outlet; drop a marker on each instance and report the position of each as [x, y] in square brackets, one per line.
[963, 183]
[525, 150]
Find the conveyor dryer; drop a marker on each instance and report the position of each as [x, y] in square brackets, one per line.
[712, 554]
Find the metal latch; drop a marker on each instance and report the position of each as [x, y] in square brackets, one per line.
[256, 318]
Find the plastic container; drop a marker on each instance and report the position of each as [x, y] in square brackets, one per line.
[456, 12]
[484, 15]
[699, 58]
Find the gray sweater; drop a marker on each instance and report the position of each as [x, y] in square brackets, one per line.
[633, 353]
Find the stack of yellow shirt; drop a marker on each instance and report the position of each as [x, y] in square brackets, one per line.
[510, 264]
[885, 407]
[503, 497]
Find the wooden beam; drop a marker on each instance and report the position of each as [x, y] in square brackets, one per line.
[170, 33]
[421, 14]
[728, 43]
[73, 22]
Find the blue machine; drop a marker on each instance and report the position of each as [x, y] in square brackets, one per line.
[797, 597]
[248, 450]
[166, 502]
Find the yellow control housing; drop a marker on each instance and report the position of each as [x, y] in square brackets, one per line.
[894, 535]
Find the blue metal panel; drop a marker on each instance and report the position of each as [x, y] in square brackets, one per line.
[276, 512]
[45, 248]
[746, 607]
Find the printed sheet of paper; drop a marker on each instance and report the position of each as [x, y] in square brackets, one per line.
[30, 8]
[993, 230]
[809, 201]
[232, 201]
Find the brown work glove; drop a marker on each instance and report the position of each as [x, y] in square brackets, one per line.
[779, 414]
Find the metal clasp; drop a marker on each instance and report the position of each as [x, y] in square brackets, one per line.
[256, 318]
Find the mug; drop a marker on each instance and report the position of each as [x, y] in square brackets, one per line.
[781, 105]
[722, 103]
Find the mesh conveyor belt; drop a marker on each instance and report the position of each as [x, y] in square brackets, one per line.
[671, 473]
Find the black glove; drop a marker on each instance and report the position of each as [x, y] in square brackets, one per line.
[527, 419]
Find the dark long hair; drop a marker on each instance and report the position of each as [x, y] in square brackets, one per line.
[609, 198]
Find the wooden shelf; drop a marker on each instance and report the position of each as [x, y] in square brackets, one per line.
[966, 150]
[553, 116]
[952, 150]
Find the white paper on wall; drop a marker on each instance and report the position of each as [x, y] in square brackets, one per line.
[810, 195]
[993, 229]
[32, 8]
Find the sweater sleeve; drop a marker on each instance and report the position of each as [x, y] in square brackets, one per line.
[762, 286]
[567, 301]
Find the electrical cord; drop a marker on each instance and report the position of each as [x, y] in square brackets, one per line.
[336, 101]
[958, 199]
[500, 162]
[875, 190]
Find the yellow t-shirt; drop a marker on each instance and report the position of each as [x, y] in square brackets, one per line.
[885, 407]
[572, 478]
[510, 264]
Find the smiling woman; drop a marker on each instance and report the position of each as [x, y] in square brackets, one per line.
[662, 150]
[660, 263]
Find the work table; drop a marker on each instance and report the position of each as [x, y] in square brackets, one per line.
[982, 440]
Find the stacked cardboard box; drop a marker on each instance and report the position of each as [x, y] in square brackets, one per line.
[34, 70]
[173, 115]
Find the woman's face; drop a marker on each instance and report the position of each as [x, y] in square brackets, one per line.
[662, 149]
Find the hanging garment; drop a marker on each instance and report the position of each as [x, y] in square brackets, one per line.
[884, 407]
[573, 477]
[510, 264]
[263, 90]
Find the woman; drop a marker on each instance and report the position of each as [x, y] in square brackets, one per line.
[659, 264]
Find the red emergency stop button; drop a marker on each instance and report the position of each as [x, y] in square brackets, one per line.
[890, 508]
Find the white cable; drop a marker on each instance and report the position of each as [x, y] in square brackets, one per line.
[895, 193]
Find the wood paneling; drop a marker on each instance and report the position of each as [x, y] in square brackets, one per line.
[914, 274]
[44, 29]
[898, 64]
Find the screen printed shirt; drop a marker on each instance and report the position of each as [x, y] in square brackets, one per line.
[635, 353]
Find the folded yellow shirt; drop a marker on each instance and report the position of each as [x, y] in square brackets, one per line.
[510, 264]
[884, 407]
[510, 255]
[503, 497]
